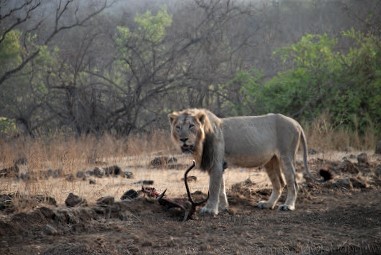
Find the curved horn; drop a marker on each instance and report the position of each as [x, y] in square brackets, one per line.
[162, 195]
[187, 186]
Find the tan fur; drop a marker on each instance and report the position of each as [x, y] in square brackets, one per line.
[270, 140]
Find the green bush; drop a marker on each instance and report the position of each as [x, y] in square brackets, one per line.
[317, 78]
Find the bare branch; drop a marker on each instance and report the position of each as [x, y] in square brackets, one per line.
[18, 20]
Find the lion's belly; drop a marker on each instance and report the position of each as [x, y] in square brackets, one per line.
[248, 160]
[249, 142]
[247, 152]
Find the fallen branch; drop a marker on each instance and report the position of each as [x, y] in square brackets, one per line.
[189, 207]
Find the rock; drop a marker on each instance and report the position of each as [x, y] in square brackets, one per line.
[159, 162]
[162, 161]
[343, 183]
[130, 194]
[145, 182]
[378, 147]
[98, 172]
[47, 212]
[74, 200]
[5, 201]
[10, 171]
[112, 170]
[92, 181]
[105, 201]
[348, 167]
[80, 174]
[70, 177]
[128, 174]
[362, 158]
[57, 173]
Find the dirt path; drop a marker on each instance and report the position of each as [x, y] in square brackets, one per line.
[341, 222]
[342, 216]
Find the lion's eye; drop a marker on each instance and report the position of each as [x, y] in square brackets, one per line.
[191, 125]
[177, 128]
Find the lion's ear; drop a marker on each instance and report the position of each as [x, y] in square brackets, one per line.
[172, 117]
[201, 116]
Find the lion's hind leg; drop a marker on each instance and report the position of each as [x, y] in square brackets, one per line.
[289, 172]
[276, 178]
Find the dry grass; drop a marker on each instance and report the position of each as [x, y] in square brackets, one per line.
[322, 136]
[133, 154]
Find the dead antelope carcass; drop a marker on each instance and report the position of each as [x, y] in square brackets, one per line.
[189, 207]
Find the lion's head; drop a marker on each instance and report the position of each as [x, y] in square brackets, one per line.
[188, 129]
[194, 131]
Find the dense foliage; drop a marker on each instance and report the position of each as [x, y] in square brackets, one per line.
[318, 77]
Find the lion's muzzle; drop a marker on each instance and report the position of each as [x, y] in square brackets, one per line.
[187, 148]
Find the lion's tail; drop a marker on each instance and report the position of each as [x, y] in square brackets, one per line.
[305, 159]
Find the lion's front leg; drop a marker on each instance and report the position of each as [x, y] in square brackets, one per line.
[223, 205]
[215, 180]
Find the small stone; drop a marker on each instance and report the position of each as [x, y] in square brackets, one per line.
[80, 174]
[10, 171]
[159, 161]
[129, 194]
[348, 167]
[112, 170]
[362, 158]
[57, 173]
[92, 181]
[5, 201]
[145, 182]
[128, 174]
[70, 177]
[74, 200]
[98, 172]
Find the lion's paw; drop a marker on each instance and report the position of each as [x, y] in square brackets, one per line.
[225, 209]
[286, 207]
[265, 205]
[205, 211]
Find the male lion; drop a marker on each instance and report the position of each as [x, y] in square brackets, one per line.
[271, 140]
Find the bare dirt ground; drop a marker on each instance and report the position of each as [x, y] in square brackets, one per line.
[341, 216]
